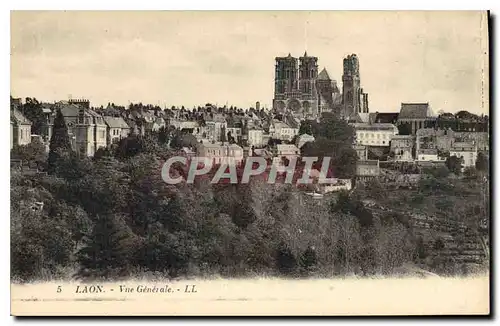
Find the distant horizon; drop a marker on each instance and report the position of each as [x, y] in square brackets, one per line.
[227, 58]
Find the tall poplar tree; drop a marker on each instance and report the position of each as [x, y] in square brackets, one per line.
[59, 142]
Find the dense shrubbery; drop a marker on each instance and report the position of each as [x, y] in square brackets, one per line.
[110, 217]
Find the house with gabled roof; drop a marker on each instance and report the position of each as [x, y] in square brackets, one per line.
[117, 129]
[86, 128]
[20, 128]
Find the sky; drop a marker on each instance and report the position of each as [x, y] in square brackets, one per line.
[192, 58]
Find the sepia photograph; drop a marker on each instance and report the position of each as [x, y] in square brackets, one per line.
[250, 163]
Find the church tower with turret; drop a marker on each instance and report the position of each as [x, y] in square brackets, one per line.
[350, 86]
[354, 99]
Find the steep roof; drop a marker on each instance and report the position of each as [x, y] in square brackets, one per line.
[386, 117]
[115, 122]
[70, 110]
[414, 111]
[323, 75]
[18, 117]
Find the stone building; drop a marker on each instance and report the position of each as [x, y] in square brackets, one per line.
[86, 128]
[216, 124]
[361, 151]
[367, 169]
[402, 147]
[429, 155]
[415, 116]
[480, 139]
[287, 150]
[466, 151]
[376, 134]
[221, 153]
[20, 128]
[255, 137]
[117, 129]
[444, 140]
[282, 131]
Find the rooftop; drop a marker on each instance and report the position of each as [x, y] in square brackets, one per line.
[323, 75]
[375, 126]
[415, 111]
[368, 162]
[115, 122]
[18, 117]
[428, 151]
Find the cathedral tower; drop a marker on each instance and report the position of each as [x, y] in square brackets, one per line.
[285, 77]
[308, 71]
[351, 90]
[295, 86]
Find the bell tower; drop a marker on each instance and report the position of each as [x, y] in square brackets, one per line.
[351, 102]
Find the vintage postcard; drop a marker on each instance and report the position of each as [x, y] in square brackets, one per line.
[257, 163]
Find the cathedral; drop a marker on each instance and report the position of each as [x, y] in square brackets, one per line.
[301, 91]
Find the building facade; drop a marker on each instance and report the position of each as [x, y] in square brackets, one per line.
[402, 147]
[466, 151]
[287, 150]
[295, 86]
[376, 134]
[415, 116]
[255, 137]
[282, 131]
[86, 128]
[366, 170]
[117, 129]
[221, 154]
[20, 128]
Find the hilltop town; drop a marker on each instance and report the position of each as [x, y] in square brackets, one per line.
[412, 184]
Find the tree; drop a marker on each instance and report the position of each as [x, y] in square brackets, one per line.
[439, 244]
[223, 136]
[375, 189]
[345, 164]
[308, 259]
[438, 172]
[421, 250]
[32, 152]
[108, 249]
[32, 109]
[482, 162]
[285, 260]
[454, 164]
[59, 142]
[470, 172]
[163, 135]
[404, 129]
[39, 244]
[306, 127]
